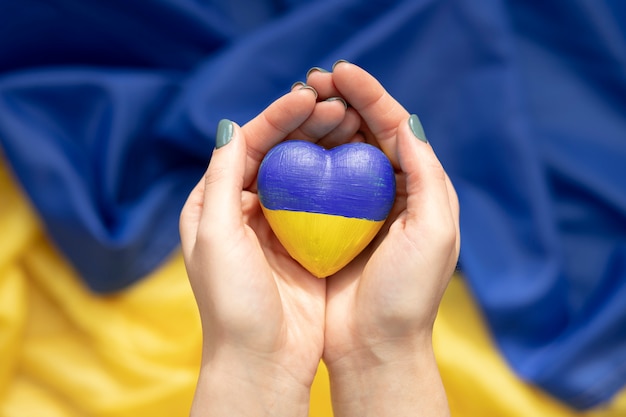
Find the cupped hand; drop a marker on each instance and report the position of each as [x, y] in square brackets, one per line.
[259, 308]
[382, 306]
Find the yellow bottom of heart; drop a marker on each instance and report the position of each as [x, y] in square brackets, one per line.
[321, 243]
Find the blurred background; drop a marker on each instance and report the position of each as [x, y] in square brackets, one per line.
[107, 117]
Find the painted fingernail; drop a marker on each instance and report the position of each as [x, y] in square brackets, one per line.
[416, 128]
[308, 87]
[345, 105]
[341, 61]
[225, 130]
[314, 69]
[299, 84]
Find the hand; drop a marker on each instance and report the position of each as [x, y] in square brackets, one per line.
[262, 313]
[381, 308]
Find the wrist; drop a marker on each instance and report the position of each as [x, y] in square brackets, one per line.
[369, 351]
[388, 379]
[247, 385]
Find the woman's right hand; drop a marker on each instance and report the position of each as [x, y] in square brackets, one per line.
[380, 309]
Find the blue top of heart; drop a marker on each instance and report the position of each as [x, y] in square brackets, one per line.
[352, 180]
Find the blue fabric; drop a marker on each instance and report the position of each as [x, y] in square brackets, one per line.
[108, 111]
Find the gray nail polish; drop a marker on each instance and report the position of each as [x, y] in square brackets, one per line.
[225, 130]
[339, 62]
[308, 87]
[315, 69]
[416, 128]
[345, 105]
[297, 84]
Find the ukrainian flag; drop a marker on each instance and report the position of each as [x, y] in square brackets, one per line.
[107, 116]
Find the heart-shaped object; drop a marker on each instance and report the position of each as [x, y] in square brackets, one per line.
[325, 206]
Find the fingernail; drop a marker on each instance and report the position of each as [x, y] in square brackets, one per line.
[308, 87]
[297, 84]
[341, 61]
[225, 132]
[315, 69]
[345, 105]
[416, 128]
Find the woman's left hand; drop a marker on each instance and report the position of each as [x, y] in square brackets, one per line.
[262, 313]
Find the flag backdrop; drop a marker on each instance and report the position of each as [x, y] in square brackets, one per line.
[107, 117]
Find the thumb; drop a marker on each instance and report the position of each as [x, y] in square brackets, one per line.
[214, 206]
[223, 181]
[429, 201]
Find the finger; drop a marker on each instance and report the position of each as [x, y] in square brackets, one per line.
[190, 218]
[380, 111]
[456, 211]
[273, 125]
[223, 183]
[428, 203]
[322, 81]
[345, 132]
[327, 116]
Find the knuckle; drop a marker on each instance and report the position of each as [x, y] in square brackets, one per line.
[214, 175]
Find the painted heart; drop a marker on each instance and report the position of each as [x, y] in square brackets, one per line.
[325, 206]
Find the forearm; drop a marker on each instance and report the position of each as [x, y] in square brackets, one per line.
[242, 388]
[366, 385]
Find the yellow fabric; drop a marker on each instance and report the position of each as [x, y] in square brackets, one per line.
[477, 380]
[65, 352]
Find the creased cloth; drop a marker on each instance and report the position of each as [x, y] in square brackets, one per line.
[108, 111]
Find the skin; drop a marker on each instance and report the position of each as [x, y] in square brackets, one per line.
[267, 321]
[381, 308]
